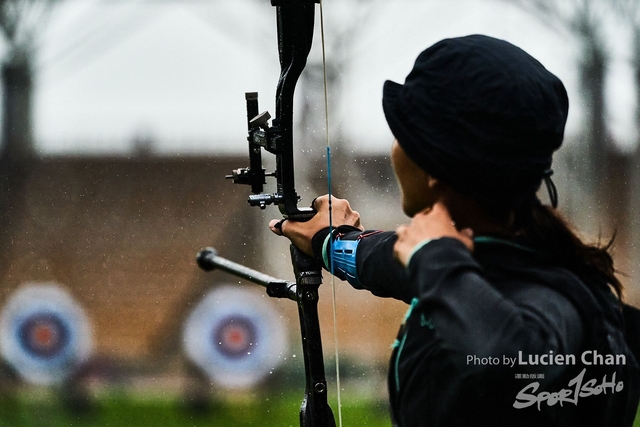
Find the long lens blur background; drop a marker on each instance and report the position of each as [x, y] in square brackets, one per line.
[120, 120]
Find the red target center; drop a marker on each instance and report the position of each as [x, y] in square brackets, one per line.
[235, 336]
[44, 336]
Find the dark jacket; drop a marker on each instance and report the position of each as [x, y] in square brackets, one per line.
[498, 338]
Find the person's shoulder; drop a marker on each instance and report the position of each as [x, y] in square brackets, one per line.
[551, 295]
[552, 287]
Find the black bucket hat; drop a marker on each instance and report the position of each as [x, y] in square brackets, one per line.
[481, 115]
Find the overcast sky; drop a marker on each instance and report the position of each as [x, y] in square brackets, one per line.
[109, 72]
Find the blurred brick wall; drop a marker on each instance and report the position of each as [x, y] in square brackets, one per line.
[121, 235]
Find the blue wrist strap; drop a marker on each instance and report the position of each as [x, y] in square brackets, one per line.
[344, 258]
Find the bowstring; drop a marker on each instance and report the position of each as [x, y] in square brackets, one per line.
[333, 280]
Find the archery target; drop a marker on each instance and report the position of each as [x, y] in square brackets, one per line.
[235, 336]
[44, 334]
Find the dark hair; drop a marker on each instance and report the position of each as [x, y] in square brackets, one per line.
[543, 227]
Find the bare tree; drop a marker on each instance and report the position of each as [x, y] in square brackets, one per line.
[629, 13]
[607, 179]
[584, 20]
[19, 23]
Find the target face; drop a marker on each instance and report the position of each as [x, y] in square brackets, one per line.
[235, 336]
[44, 334]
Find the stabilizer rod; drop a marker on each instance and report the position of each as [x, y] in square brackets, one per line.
[208, 260]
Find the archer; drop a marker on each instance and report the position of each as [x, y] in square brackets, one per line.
[484, 266]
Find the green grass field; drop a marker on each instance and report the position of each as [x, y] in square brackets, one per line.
[122, 411]
[278, 411]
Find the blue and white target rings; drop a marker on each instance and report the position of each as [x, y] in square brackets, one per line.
[235, 336]
[44, 334]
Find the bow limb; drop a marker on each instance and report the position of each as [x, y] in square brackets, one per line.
[295, 21]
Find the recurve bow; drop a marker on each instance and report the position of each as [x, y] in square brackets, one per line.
[295, 24]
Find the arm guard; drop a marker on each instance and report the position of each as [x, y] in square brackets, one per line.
[343, 255]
